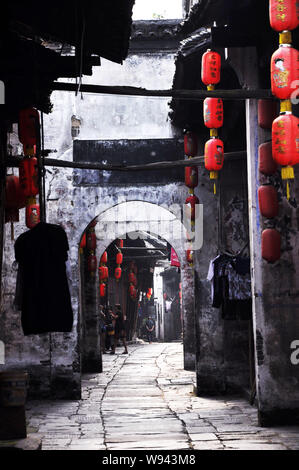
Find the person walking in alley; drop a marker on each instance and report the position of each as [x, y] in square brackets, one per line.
[150, 326]
[120, 328]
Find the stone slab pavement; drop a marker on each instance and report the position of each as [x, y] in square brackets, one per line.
[145, 400]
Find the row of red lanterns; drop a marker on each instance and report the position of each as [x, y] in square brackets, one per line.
[29, 136]
[103, 273]
[213, 114]
[91, 245]
[284, 148]
[284, 80]
[191, 179]
[267, 193]
[133, 280]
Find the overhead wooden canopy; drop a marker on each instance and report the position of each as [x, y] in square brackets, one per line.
[82, 32]
[100, 27]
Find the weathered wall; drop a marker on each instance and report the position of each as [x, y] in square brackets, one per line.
[275, 286]
[222, 362]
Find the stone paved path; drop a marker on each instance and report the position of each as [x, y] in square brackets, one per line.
[145, 400]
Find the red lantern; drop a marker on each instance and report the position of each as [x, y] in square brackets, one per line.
[119, 258]
[131, 277]
[192, 201]
[284, 71]
[104, 258]
[267, 165]
[214, 155]
[180, 294]
[14, 199]
[284, 14]
[285, 140]
[117, 273]
[210, 68]
[28, 172]
[267, 112]
[132, 290]
[92, 263]
[150, 291]
[271, 242]
[213, 112]
[102, 290]
[91, 240]
[190, 144]
[103, 273]
[29, 129]
[32, 215]
[135, 282]
[268, 201]
[191, 176]
[120, 243]
[165, 296]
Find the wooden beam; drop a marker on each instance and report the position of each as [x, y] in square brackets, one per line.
[14, 162]
[238, 94]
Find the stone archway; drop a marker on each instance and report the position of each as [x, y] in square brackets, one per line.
[127, 216]
[130, 217]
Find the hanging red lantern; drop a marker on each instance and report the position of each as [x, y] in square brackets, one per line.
[103, 273]
[32, 214]
[104, 258]
[213, 112]
[135, 282]
[192, 201]
[271, 245]
[150, 291]
[119, 258]
[267, 112]
[29, 130]
[14, 198]
[191, 176]
[284, 14]
[28, 172]
[284, 71]
[120, 243]
[210, 68]
[268, 201]
[131, 277]
[214, 155]
[117, 273]
[102, 290]
[131, 290]
[190, 144]
[214, 158]
[266, 164]
[285, 140]
[92, 263]
[180, 294]
[285, 145]
[165, 296]
[91, 240]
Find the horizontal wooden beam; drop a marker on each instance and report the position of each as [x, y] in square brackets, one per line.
[238, 94]
[14, 162]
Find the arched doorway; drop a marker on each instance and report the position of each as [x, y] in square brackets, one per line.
[152, 230]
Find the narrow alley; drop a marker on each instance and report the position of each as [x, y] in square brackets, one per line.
[145, 400]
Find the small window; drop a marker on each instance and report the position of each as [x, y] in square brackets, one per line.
[157, 9]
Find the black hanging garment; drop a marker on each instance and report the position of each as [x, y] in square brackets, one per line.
[45, 298]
